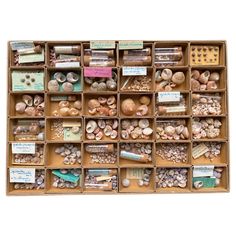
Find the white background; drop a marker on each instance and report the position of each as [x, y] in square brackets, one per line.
[186, 214]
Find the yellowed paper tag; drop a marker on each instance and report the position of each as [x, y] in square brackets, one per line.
[134, 173]
[199, 150]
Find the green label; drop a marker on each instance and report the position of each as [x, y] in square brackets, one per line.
[103, 44]
[128, 44]
[67, 177]
[207, 182]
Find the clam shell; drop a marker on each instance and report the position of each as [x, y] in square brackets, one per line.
[195, 85]
[169, 130]
[73, 112]
[178, 77]
[78, 105]
[147, 131]
[215, 76]
[143, 123]
[53, 86]
[63, 104]
[204, 77]
[20, 107]
[91, 126]
[37, 100]
[158, 77]
[93, 103]
[64, 111]
[72, 77]
[28, 100]
[30, 111]
[59, 77]
[211, 85]
[67, 87]
[166, 74]
[195, 74]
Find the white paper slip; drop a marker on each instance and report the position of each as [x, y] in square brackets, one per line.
[16, 45]
[22, 175]
[31, 58]
[199, 150]
[203, 171]
[168, 96]
[67, 64]
[23, 148]
[137, 70]
[134, 173]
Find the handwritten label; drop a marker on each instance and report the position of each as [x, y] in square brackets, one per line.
[103, 72]
[134, 173]
[22, 175]
[199, 150]
[203, 171]
[23, 148]
[103, 44]
[130, 44]
[16, 45]
[72, 64]
[58, 98]
[30, 58]
[137, 70]
[168, 96]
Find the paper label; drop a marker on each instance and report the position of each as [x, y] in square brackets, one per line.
[67, 64]
[203, 171]
[16, 45]
[58, 98]
[30, 58]
[102, 72]
[175, 109]
[22, 175]
[137, 70]
[23, 148]
[168, 96]
[67, 177]
[103, 44]
[134, 173]
[199, 150]
[130, 44]
[207, 182]
[26, 81]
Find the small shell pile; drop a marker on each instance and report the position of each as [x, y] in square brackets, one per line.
[61, 183]
[136, 129]
[99, 129]
[102, 106]
[66, 82]
[176, 153]
[137, 83]
[138, 148]
[102, 84]
[166, 80]
[206, 128]
[70, 152]
[206, 105]
[65, 108]
[129, 107]
[204, 80]
[36, 158]
[172, 130]
[214, 150]
[39, 182]
[30, 105]
[144, 181]
[103, 158]
[171, 177]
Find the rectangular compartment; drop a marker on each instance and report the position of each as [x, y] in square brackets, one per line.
[137, 180]
[64, 181]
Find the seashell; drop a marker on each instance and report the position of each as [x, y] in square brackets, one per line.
[41, 106]
[124, 134]
[111, 100]
[94, 86]
[107, 130]
[93, 103]
[75, 129]
[67, 87]
[59, 77]
[111, 85]
[196, 128]
[166, 74]
[147, 131]
[169, 130]
[115, 124]
[182, 184]
[99, 135]
[195, 85]
[211, 85]
[203, 87]
[128, 107]
[91, 126]
[114, 134]
[92, 111]
[90, 136]
[96, 130]
[64, 111]
[102, 100]
[72, 77]
[72, 98]
[185, 133]
[198, 184]
[114, 76]
[161, 85]
[204, 77]
[145, 100]
[112, 112]
[142, 110]
[140, 182]
[30, 111]
[113, 106]
[103, 111]
[178, 77]
[102, 86]
[20, 107]
[158, 77]
[168, 88]
[101, 124]
[78, 105]
[125, 124]
[73, 112]
[28, 100]
[63, 104]
[125, 183]
[215, 76]
[179, 129]
[143, 123]
[53, 86]
[195, 74]
[88, 80]
[37, 100]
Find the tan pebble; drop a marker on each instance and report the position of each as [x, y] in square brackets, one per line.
[145, 100]
[215, 76]
[20, 107]
[128, 107]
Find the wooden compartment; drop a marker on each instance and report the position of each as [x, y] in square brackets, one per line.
[139, 83]
[107, 159]
[67, 75]
[143, 104]
[137, 148]
[63, 160]
[165, 157]
[64, 106]
[52, 189]
[131, 61]
[126, 173]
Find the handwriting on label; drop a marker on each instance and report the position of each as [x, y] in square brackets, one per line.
[16, 45]
[71, 64]
[168, 96]
[22, 175]
[30, 58]
[137, 70]
[199, 150]
[130, 44]
[203, 171]
[103, 44]
[98, 72]
[23, 148]
[134, 173]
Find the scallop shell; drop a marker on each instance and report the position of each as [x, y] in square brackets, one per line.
[125, 124]
[20, 107]
[67, 87]
[143, 123]
[53, 86]
[166, 74]
[178, 77]
[28, 100]
[91, 126]
[72, 77]
[59, 77]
